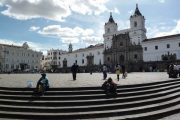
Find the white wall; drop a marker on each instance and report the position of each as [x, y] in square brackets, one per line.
[14, 55]
[155, 55]
[78, 55]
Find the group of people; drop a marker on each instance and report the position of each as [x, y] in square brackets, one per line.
[43, 83]
[173, 71]
[42, 86]
[108, 86]
[118, 69]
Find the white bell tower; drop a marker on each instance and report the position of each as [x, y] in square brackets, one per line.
[70, 48]
[110, 29]
[137, 27]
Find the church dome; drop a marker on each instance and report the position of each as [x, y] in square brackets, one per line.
[25, 45]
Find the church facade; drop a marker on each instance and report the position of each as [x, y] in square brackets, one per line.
[124, 46]
[123, 52]
[137, 30]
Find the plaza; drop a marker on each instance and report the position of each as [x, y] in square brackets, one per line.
[59, 80]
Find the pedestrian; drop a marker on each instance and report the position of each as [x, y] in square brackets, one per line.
[42, 84]
[90, 70]
[110, 87]
[117, 69]
[74, 70]
[123, 71]
[104, 72]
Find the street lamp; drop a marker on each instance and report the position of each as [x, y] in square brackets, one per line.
[5, 59]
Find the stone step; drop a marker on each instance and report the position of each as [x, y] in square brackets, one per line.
[100, 107]
[172, 105]
[86, 92]
[87, 102]
[84, 97]
[147, 101]
[92, 88]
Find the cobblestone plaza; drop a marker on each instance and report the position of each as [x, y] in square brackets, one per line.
[83, 79]
[59, 80]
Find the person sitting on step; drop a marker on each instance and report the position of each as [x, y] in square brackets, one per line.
[110, 87]
[42, 85]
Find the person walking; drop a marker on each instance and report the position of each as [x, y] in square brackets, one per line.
[123, 71]
[74, 70]
[104, 72]
[117, 69]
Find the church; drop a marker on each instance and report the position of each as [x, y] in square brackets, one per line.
[124, 46]
[132, 48]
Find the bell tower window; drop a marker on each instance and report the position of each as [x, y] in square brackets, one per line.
[108, 30]
[135, 24]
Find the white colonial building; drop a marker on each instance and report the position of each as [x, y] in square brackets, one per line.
[157, 49]
[52, 58]
[18, 58]
[92, 55]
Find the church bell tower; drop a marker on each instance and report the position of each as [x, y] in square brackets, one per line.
[137, 27]
[110, 28]
[70, 48]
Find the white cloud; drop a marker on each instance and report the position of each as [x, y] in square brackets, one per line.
[70, 40]
[161, 1]
[56, 10]
[91, 40]
[73, 35]
[115, 10]
[10, 42]
[88, 6]
[131, 12]
[175, 30]
[28, 9]
[57, 30]
[1, 4]
[32, 45]
[34, 28]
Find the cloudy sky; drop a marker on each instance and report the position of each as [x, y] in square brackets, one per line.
[47, 24]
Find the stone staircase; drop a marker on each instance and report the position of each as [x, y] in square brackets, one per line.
[147, 101]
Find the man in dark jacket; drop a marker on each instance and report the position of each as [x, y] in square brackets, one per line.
[74, 70]
[42, 84]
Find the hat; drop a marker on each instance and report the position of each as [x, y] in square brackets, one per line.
[43, 74]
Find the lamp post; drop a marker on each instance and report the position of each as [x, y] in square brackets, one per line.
[1, 62]
[5, 59]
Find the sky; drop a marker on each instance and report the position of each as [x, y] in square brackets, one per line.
[47, 24]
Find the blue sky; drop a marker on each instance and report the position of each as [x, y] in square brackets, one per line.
[47, 24]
